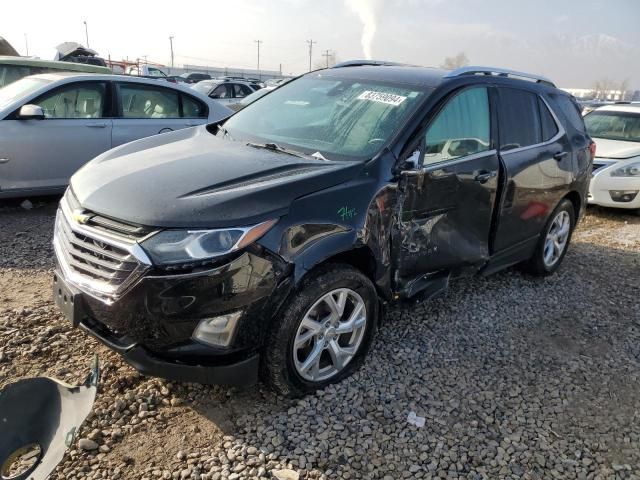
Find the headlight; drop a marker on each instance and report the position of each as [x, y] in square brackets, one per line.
[195, 247]
[632, 170]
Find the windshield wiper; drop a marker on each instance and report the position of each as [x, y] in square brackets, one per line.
[274, 147]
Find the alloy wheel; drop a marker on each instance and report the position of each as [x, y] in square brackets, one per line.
[557, 238]
[330, 334]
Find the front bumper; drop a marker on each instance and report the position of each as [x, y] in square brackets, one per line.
[602, 183]
[152, 325]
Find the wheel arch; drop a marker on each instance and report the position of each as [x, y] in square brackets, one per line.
[576, 200]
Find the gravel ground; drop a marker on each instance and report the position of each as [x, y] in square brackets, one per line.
[516, 377]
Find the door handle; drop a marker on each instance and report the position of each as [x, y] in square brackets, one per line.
[484, 177]
[4, 160]
[560, 155]
[96, 125]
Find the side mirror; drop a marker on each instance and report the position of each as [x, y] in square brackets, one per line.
[31, 112]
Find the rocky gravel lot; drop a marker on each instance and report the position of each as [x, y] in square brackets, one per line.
[517, 377]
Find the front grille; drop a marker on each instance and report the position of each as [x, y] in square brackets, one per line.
[598, 166]
[100, 256]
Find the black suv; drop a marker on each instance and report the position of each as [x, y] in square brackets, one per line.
[271, 242]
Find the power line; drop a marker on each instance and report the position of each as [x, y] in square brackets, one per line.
[310, 43]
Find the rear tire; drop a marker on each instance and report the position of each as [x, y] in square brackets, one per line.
[323, 332]
[553, 242]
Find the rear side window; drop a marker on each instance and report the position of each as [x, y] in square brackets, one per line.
[192, 108]
[549, 126]
[571, 112]
[145, 101]
[78, 100]
[461, 128]
[519, 119]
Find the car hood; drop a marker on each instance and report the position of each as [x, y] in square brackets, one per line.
[616, 149]
[190, 178]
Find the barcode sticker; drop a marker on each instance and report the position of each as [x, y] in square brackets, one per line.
[381, 97]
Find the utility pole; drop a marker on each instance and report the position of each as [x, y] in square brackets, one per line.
[258, 42]
[26, 43]
[171, 44]
[86, 33]
[310, 43]
[327, 55]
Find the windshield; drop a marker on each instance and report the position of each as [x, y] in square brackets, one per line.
[613, 125]
[340, 118]
[203, 87]
[19, 89]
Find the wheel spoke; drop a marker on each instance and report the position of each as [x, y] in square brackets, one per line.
[339, 355]
[313, 358]
[355, 321]
[311, 324]
[302, 340]
[337, 306]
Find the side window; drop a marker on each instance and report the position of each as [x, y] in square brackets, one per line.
[79, 100]
[221, 92]
[145, 101]
[461, 128]
[192, 108]
[241, 91]
[549, 127]
[518, 118]
[571, 111]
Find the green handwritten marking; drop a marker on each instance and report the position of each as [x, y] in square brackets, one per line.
[346, 213]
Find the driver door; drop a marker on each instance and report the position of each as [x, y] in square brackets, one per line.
[446, 200]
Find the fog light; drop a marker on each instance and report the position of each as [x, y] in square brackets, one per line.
[217, 331]
[623, 195]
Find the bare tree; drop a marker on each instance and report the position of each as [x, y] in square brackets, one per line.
[451, 63]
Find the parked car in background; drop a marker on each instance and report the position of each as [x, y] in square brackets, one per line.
[225, 91]
[276, 82]
[194, 77]
[615, 180]
[254, 82]
[145, 71]
[271, 241]
[52, 124]
[249, 99]
[15, 68]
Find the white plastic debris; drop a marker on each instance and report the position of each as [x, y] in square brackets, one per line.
[27, 205]
[416, 420]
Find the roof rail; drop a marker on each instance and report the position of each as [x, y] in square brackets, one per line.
[500, 72]
[363, 63]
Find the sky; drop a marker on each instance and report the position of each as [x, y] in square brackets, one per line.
[574, 42]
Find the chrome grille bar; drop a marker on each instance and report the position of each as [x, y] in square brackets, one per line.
[104, 264]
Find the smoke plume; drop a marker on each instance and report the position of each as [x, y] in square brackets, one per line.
[365, 11]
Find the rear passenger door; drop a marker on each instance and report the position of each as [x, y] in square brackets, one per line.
[145, 110]
[536, 155]
[446, 201]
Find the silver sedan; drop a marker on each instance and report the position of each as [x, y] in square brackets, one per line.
[52, 124]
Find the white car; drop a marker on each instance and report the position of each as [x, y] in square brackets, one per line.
[615, 181]
[52, 124]
[224, 91]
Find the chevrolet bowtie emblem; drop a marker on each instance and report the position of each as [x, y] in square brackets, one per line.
[79, 216]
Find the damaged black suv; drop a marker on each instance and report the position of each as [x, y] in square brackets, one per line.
[271, 242]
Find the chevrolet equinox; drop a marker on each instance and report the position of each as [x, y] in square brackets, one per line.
[269, 244]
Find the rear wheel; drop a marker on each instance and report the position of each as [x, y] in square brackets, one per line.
[324, 332]
[554, 241]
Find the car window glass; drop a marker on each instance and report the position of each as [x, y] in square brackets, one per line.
[144, 101]
[612, 125]
[519, 119]
[461, 128]
[192, 108]
[84, 100]
[571, 111]
[549, 127]
[220, 92]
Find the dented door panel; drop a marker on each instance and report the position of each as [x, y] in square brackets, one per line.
[444, 218]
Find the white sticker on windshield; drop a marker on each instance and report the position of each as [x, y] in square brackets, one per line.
[381, 97]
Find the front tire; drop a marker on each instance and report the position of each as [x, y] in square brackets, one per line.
[554, 241]
[323, 333]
